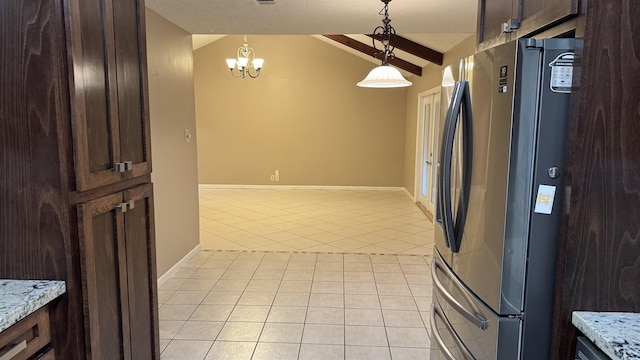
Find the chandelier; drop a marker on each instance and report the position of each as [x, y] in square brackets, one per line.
[384, 76]
[245, 61]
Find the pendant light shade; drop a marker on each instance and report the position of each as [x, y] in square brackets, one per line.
[384, 76]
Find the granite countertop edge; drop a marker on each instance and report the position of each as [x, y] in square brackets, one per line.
[617, 334]
[21, 298]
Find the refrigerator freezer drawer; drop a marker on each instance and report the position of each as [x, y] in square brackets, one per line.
[486, 335]
[445, 343]
[500, 341]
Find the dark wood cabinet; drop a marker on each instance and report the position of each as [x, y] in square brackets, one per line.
[599, 244]
[492, 14]
[110, 115]
[29, 338]
[116, 243]
[73, 105]
[500, 21]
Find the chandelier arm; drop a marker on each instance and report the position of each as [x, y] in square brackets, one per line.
[240, 75]
[251, 75]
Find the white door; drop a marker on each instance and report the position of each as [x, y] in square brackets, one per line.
[426, 149]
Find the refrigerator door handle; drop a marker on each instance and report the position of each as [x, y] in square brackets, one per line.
[473, 316]
[466, 116]
[444, 181]
[443, 347]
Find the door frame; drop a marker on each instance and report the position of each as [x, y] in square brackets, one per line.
[435, 93]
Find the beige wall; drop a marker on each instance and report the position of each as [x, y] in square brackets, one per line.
[172, 109]
[303, 116]
[431, 78]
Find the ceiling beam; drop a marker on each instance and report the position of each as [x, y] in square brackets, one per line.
[414, 48]
[366, 49]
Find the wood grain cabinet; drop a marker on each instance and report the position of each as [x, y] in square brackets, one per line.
[76, 200]
[501, 21]
[29, 338]
[109, 112]
[116, 241]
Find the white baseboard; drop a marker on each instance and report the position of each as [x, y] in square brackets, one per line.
[167, 275]
[413, 198]
[301, 187]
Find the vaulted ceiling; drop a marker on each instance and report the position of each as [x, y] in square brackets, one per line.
[435, 24]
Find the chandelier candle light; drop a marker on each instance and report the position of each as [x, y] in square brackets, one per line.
[245, 61]
[384, 76]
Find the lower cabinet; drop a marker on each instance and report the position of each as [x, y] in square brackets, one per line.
[118, 265]
[30, 338]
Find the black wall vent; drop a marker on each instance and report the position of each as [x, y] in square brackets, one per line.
[265, 2]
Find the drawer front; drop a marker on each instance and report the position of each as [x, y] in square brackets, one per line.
[49, 355]
[33, 331]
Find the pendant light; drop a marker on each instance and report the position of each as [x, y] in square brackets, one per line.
[384, 76]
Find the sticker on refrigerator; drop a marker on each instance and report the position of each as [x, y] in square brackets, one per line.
[502, 81]
[544, 200]
[562, 73]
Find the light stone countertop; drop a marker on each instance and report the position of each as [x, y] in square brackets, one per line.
[20, 298]
[617, 334]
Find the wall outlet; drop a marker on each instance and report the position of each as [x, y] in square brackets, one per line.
[277, 176]
[273, 177]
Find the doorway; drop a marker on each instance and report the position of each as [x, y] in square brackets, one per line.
[427, 150]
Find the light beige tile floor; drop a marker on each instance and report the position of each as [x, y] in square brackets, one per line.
[302, 274]
[344, 221]
[284, 305]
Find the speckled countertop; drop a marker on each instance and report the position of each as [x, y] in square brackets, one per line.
[617, 334]
[20, 298]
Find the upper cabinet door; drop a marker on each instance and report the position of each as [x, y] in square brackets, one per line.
[131, 66]
[539, 14]
[500, 21]
[492, 14]
[109, 92]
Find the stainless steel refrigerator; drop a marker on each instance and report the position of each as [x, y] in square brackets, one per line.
[499, 201]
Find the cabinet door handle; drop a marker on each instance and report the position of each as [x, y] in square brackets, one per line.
[17, 348]
[510, 26]
[123, 207]
[123, 166]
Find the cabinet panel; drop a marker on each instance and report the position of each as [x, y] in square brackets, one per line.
[104, 274]
[131, 77]
[540, 14]
[59, 138]
[141, 268]
[96, 87]
[110, 117]
[532, 7]
[524, 17]
[491, 15]
[35, 237]
[94, 95]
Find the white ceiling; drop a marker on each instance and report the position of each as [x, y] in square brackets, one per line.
[438, 24]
